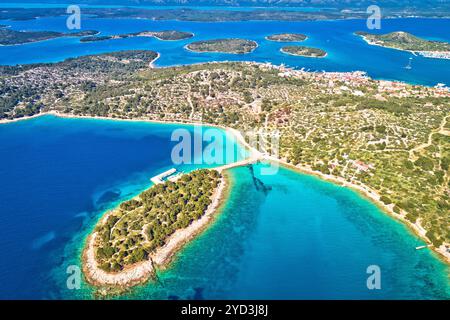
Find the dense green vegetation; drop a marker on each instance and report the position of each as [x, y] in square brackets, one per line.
[167, 35]
[236, 46]
[405, 41]
[141, 225]
[304, 51]
[172, 35]
[287, 37]
[12, 37]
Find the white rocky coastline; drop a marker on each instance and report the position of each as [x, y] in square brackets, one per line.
[143, 271]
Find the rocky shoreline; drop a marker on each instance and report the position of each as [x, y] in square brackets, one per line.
[143, 271]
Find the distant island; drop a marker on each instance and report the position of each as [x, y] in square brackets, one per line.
[166, 35]
[287, 37]
[181, 14]
[10, 37]
[235, 46]
[406, 41]
[188, 14]
[303, 51]
[143, 233]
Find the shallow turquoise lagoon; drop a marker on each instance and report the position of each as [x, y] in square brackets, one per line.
[293, 236]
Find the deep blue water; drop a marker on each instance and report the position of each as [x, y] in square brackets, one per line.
[298, 237]
[57, 176]
[346, 52]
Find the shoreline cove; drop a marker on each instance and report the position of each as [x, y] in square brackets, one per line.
[367, 193]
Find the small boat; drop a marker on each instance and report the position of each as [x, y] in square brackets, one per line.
[408, 66]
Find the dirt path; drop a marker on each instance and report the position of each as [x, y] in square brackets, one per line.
[422, 146]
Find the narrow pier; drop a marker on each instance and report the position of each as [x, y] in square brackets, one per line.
[241, 163]
[423, 247]
[173, 175]
[158, 179]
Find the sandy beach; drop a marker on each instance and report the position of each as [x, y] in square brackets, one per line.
[5, 121]
[152, 63]
[73, 116]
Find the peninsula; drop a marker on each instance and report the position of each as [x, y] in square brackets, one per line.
[143, 233]
[388, 140]
[12, 37]
[234, 46]
[287, 37]
[407, 42]
[303, 51]
[166, 35]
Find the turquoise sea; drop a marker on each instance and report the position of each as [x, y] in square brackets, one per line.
[287, 235]
[294, 236]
